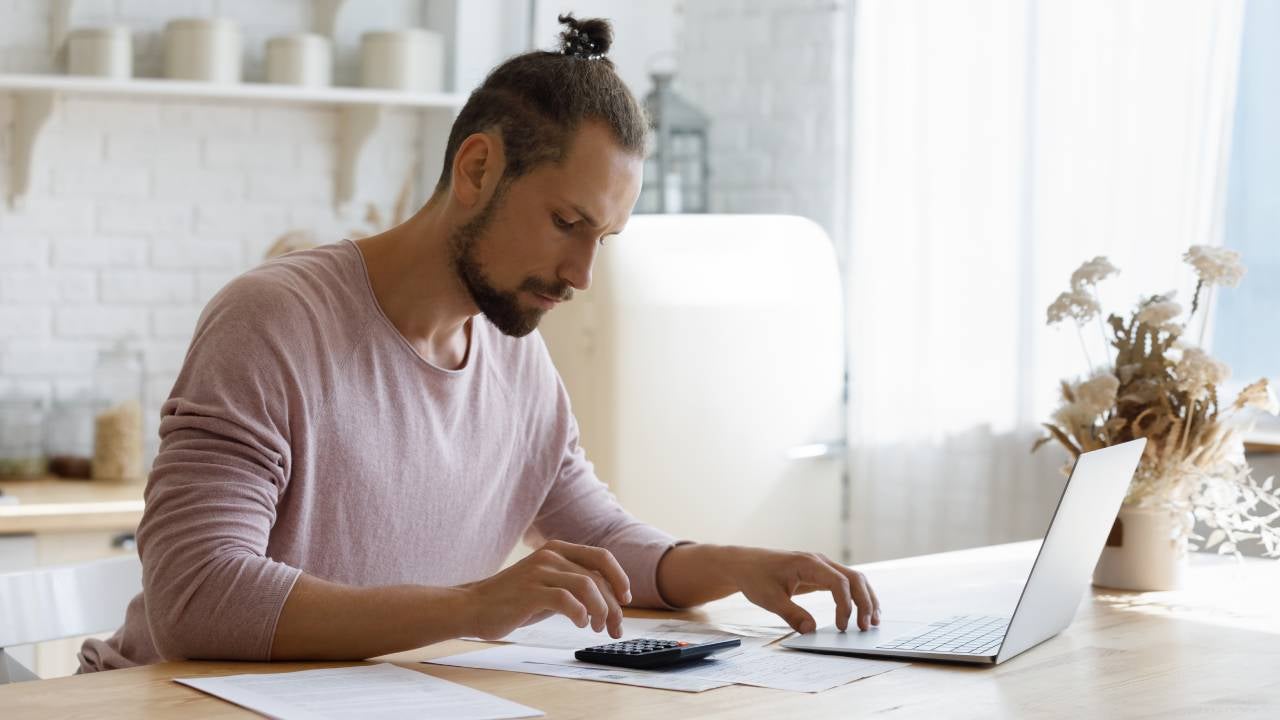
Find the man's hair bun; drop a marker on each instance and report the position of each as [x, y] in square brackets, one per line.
[588, 39]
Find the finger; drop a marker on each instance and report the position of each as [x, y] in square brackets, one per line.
[614, 621]
[584, 590]
[797, 617]
[613, 618]
[820, 572]
[863, 597]
[875, 602]
[600, 560]
[562, 601]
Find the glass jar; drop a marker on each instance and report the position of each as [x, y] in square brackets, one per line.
[21, 438]
[117, 424]
[68, 437]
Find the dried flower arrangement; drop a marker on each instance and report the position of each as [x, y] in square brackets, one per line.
[1166, 391]
[373, 219]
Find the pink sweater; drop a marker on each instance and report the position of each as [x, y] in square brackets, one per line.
[305, 434]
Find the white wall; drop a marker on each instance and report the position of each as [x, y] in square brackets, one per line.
[773, 76]
[141, 209]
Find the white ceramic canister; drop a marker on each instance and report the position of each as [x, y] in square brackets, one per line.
[101, 52]
[411, 60]
[300, 59]
[202, 49]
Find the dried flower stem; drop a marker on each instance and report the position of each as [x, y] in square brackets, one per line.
[1208, 305]
[1186, 428]
[1106, 346]
[1195, 298]
[1084, 347]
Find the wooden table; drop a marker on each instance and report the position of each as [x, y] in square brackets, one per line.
[1210, 650]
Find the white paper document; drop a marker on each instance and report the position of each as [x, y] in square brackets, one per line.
[366, 691]
[559, 662]
[779, 669]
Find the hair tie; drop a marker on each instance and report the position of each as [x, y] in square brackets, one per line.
[579, 44]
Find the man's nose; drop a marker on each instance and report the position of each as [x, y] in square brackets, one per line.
[576, 269]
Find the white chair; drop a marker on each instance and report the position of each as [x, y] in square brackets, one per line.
[60, 602]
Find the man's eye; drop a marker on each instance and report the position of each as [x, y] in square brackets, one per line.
[561, 222]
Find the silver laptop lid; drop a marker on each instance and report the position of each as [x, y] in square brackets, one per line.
[1076, 534]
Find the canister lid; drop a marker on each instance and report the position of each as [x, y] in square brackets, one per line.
[406, 35]
[299, 39]
[216, 24]
[106, 31]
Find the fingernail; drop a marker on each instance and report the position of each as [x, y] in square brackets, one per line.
[626, 597]
[806, 627]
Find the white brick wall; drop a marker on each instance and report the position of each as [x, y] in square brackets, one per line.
[142, 209]
[772, 76]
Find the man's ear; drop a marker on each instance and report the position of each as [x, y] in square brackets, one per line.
[477, 166]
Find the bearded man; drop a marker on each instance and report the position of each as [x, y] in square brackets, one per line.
[362, 432]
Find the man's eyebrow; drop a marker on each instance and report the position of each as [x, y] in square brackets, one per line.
[591, 221]
[585, 216]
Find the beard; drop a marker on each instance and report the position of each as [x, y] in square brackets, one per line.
[502, 307]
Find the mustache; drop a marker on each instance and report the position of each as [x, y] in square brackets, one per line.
[561, 291]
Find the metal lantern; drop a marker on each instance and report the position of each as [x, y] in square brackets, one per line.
[677, 170]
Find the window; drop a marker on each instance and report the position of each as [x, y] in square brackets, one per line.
[1247, 318]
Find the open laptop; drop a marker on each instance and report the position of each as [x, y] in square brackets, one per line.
[1058, 578]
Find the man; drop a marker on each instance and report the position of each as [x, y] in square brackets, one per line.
[361, 433]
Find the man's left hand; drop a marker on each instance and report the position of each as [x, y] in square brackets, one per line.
[693, 574]
[769, 578]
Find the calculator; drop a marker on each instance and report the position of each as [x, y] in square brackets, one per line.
[645, 653]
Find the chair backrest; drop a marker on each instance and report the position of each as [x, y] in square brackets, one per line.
[66, 600]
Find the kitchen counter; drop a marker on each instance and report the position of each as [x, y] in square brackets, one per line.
[51, 504]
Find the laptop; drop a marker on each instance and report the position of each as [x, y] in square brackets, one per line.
[1058, 579]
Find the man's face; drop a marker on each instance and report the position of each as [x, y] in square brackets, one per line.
[535, 241]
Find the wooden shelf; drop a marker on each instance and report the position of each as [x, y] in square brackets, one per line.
[193, 90]
[1263, 440]
[55, 505]
[362, 110]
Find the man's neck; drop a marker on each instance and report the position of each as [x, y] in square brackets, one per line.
[413, 279]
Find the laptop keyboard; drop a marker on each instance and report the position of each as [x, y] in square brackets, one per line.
[961, 635]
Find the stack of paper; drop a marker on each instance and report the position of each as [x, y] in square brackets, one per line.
[546, 648]
[365, 691]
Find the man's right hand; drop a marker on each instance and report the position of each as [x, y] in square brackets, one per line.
[581, 582]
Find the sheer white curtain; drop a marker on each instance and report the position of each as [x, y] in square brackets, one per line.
[997, 144]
